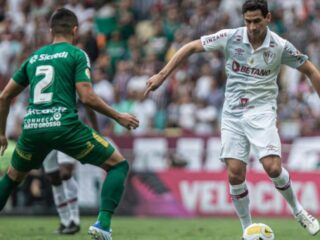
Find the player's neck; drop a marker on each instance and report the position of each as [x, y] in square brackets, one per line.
[60, 39]
[257, 42]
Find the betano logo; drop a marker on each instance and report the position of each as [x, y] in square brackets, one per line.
[236, 67]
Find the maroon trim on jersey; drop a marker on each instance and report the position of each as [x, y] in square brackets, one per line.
[239, 196]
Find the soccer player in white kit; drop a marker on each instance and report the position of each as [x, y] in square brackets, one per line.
[253, 55]
[59, 170]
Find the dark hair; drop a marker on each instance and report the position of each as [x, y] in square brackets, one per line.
[63, 21]
[252, 5]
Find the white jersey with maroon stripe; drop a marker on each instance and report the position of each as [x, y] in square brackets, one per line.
[252, 73]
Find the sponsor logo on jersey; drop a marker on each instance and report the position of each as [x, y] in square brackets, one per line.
[237, 67]
[45, 57]
[244, 101]
[238, 38]
[33, 59]
[57, 116]
[271, 147]
[269, 57]
[272, 44]
[214, 38]
[46, 111]
[239, 52]
[295, 53]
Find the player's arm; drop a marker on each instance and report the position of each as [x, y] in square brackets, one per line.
[309, 69]
[182, 54]
[92, 117]
[11, 90]
[89, 98]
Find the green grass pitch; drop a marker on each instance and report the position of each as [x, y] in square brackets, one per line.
[41, 228]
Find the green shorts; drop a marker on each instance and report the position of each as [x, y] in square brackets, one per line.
[78, 141]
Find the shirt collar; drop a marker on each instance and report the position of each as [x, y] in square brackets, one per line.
[266, 42]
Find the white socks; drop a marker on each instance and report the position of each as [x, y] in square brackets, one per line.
[66, 201]
[61, 204]
[283, 184]
[71, 191]
[240, 199]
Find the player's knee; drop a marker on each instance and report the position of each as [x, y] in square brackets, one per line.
[272, 167]
[236, 175]
[123, 166]
[273, 171]
[115, 159]
[236, 178]
[54, 178]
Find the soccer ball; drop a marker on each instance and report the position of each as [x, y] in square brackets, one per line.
[258, 231]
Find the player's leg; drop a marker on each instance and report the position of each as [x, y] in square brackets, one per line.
[117, 168]
[238, 190]
[113, 187]
[66, 167]
[26, 156]
[281, 179]
[8, 184]
[51, 168]
[263, 134]
[234, 152]
[85, 145]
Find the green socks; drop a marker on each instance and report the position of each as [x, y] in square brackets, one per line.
[6, 188]
[111, 193]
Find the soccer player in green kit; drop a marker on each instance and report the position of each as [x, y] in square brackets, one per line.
[55, 73]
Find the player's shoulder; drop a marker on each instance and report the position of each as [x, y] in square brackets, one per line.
[277, 40]
[222, 35]
[236, 34]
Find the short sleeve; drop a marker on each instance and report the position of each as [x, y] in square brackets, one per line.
[216, 41]
[21, 76]
[292, 57]
[83, 67]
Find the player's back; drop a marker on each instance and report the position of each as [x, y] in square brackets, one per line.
[52, 73]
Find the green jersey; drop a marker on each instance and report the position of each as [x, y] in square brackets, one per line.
[52, 73]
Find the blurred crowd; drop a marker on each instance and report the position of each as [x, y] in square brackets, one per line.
[130, 40]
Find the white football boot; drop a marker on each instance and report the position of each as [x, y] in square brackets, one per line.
[310, 223]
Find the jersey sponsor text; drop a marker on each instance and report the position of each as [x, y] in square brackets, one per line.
[45, 57]
[236, 67]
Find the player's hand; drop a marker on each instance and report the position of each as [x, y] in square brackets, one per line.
[128, 121]
[153, 83]
[3, 144]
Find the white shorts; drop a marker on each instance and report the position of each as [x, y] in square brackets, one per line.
[254, 127]
[54, 159]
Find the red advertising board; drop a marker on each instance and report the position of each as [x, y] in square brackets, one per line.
[207, 193]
